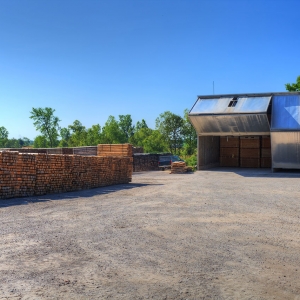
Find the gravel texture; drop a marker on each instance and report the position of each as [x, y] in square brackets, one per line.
[217, 234]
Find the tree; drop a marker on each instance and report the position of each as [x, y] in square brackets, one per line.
[139, 125]
[46, 123]
[189, 135]
[155, 143]
[151, 140]
[112, 133]
[3, 136]
[65, 135]
[41, 142]
[78, 134]
[125, 124]
[171, 127]
[293, 87]
[94, 136]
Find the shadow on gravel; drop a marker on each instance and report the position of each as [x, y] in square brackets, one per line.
[72, 195]
[253, 172]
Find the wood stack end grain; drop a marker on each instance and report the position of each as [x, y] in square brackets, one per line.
[179, 167]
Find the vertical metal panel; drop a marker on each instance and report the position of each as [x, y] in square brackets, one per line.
[243, 105]
[208, 151]
[285, 150]
[285, 112]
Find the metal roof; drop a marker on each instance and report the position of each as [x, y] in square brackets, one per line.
[231, 105]
[248, 95]
[231, 115]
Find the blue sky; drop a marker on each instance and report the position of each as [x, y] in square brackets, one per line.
[91, 59]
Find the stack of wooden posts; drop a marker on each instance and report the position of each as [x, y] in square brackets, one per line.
[145, 162]
[179, 167]
[266, 161]
[114, 150]
[229, 151]
[26, 150]
[86, 151]
[17, 174]
[137, 150]
[38, 174]
[250, 152]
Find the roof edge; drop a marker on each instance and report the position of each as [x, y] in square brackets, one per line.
[247, 95]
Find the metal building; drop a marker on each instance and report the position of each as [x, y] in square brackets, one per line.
[235, 121]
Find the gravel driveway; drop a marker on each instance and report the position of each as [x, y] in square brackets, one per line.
[217, 234]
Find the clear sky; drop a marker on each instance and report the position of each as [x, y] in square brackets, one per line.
[89, 59]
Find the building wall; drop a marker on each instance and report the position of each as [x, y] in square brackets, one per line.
[208, 152]
[24, 174]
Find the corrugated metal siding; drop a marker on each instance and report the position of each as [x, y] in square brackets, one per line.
[285, 150]
[237, 125]
[285, 113]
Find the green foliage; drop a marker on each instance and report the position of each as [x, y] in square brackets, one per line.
[93, 135]
[191, 160]
[189, 135]
[46, 123]
[65, 133]
[125, 124]
[3, 136]
[78, 134]
[155, 143]
[171, 128]
[139, 125]
[41, 142]
[112, 133]
[293, 87]
[151, 140]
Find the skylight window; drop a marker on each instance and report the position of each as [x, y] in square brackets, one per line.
[233, 102]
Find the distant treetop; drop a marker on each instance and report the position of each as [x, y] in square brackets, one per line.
[293, 87]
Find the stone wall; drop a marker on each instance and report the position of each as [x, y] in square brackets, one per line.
[29, 174]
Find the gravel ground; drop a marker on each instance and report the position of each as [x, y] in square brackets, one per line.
[217, 234]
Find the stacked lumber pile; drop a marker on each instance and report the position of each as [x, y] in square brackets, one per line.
[17, 174]
[229, 151]
[179, 167]
[67, 150]
[25, 150]
[114, 150]
[145, 162]
[137, 150]
[86, 151]
[265, 160]
[54, 151]
[250, 152]
[38, 174]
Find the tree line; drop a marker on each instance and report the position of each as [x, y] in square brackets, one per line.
[5, 142]
[172, 132]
